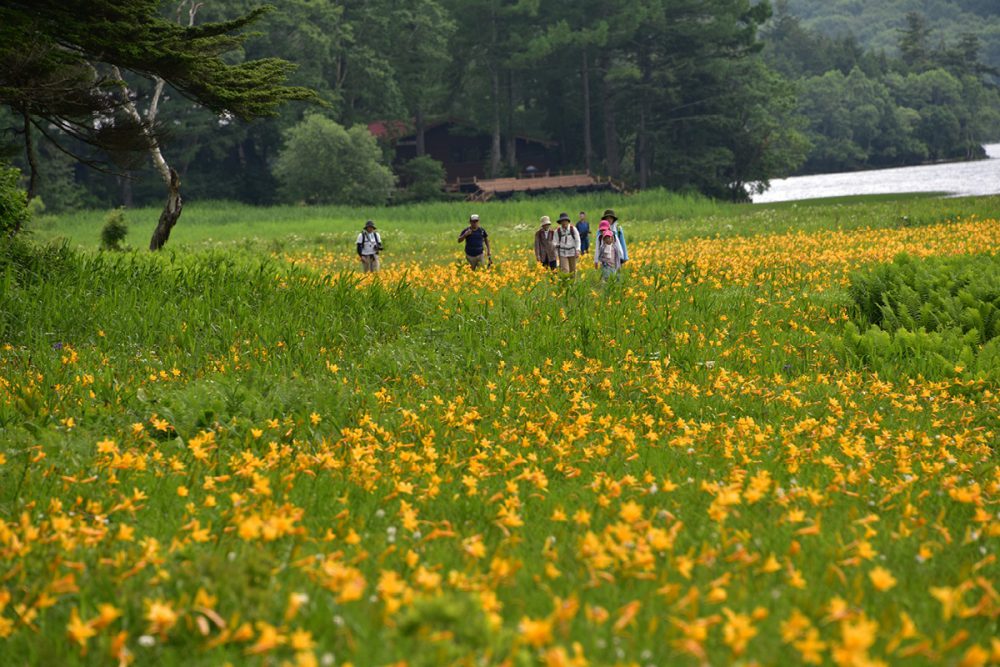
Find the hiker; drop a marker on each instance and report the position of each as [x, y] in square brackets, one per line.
[545, 244]
[476, 239]
[567, 244]
[605, 226]
[607, 255]
[616, 229]
[583, 227]
[369, 246]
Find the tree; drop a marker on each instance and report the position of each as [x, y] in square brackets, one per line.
[424, 178]
[13, 202]
[914, 41]
[323, 163]
[64, 66]
[765, 135]
[420, 52]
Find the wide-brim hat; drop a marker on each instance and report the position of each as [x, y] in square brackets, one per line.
[370, 223]
[564, 218]
[545, 220]
[610, 215]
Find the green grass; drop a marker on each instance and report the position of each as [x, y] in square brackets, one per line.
[452, 395]
[651, 214]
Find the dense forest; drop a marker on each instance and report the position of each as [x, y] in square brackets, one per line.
[876, 25]
[715, 96]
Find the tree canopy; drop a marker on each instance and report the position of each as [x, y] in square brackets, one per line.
[716, 96]
[63, 75]
[324, 163]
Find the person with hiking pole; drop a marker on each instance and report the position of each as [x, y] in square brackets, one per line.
[369, 246]
[476, 241]
[567, 245]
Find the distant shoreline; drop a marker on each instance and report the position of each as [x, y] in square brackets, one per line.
[927, 163]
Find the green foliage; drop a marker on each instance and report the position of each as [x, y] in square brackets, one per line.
[114, 231]
[936, 316]
[879, 25]
[135, 36]
[13, 201]
[424, 180]
[331, 360]
[864, 110]
[322, 163]
[55, 294]
[466, 625]
[645, 214]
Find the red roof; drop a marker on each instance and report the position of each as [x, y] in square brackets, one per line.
[389, 129]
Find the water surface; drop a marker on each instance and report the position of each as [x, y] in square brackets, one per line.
[981, 177]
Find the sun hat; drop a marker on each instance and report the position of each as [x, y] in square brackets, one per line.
[607, 234]
[610, 214]
[545, 220]
[473, 217]
[604, 226]
[370, 223]
[564, 218]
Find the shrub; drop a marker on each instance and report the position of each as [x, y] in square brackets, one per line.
[424, 178]
[13, 201]
[934, 316]
[114, 231]
[323, 163]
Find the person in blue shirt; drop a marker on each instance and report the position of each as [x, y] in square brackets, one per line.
[477, 244]
[583, 227]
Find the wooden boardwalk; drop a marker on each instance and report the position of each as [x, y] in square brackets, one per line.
[486, 189]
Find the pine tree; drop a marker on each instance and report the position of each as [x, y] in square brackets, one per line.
[65, 63]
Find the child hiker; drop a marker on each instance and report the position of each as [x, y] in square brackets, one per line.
[607, 255]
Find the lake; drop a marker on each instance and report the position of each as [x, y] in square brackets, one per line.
[981, 177]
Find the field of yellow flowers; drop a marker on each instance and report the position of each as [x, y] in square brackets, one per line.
[267, 459]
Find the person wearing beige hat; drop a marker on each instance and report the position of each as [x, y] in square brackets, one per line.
[545, 244]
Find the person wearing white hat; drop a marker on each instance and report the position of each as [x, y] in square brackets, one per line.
[369, 246]
[476, 241]
[545, 244]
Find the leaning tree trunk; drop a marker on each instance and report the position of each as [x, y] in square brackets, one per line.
[172, 209]
[171, 212]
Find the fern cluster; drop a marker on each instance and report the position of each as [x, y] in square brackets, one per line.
[938, 316]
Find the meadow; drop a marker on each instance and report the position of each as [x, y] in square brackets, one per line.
[242, 451]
